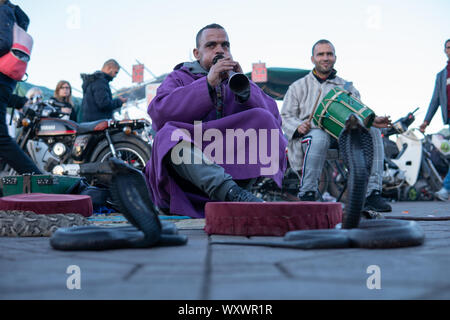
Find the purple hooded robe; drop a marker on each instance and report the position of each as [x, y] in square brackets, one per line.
[183, 98]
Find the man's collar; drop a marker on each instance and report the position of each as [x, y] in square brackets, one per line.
[195, 68]
[107, 76]
[331, 76]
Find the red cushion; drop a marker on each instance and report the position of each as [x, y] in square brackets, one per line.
[270, 218]
[41, 203]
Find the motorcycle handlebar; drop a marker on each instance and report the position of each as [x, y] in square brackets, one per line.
[44, 108]
[55, 103]
[402, 124]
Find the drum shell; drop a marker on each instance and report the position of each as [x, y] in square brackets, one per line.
[335, 108]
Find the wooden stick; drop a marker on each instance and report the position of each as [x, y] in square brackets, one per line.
[315, 106]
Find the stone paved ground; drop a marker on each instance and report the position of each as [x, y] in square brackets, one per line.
[31, 269]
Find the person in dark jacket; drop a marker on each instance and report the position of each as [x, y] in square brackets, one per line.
[97, 97]
[10, 152]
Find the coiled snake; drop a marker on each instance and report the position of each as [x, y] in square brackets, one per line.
[356, 148]
[129, 191]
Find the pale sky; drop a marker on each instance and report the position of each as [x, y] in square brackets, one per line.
[390, 50]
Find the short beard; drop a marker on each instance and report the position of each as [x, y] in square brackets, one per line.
[322, 71]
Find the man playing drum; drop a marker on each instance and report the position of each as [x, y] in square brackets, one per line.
[308, 144]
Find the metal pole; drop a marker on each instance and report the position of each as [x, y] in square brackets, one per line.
[124, 70]
[77, 90]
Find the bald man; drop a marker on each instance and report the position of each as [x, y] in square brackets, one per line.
[97, 102]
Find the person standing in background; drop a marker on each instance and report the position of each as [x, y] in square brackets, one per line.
[97, 102]
[10, 152]
[441, 97]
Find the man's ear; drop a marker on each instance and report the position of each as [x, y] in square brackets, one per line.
[196, 54]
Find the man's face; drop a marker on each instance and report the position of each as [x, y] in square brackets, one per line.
[324, 58]
[111, 71]
[447, 49]
[212, 43]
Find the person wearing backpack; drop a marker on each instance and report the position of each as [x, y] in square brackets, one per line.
[11, 17]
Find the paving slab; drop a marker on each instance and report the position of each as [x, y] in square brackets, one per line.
[201, 270]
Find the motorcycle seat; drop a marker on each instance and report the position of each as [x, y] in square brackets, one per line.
[87, 127]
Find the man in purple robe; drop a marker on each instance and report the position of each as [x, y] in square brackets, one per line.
[211, 143]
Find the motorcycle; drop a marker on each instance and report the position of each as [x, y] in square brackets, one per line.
[61, 146]
[411, 171]
[410, 165]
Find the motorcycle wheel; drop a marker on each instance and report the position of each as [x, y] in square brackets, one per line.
[337, 182]
[129, 149]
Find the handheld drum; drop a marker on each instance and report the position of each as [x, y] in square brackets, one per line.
[331, 114]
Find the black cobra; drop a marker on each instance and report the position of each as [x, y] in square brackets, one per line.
[129, 191]
[356, 147]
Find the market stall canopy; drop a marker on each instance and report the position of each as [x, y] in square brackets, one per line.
[279, 80]
[138, 92]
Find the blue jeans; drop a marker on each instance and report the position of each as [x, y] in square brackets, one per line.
[447, 181]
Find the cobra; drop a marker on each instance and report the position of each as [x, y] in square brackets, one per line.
[130, 193]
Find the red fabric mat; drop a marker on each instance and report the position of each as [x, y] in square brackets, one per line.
[41, 203]
[270, 218]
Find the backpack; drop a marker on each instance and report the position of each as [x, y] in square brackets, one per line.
[14, 63]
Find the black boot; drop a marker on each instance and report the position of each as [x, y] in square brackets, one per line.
[308, 196]
[375, 202]
[237, 194]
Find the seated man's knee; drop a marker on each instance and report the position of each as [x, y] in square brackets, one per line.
[317, 139]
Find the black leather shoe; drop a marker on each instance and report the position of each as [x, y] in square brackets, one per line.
[375, 202]
[308, 196]
[237, 194]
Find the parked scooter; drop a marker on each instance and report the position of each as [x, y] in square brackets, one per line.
[410, 170]
[410, 173]
[51, 141]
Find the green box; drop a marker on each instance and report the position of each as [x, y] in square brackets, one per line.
[37, 184]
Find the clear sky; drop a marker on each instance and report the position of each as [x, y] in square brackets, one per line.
[390, 50]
